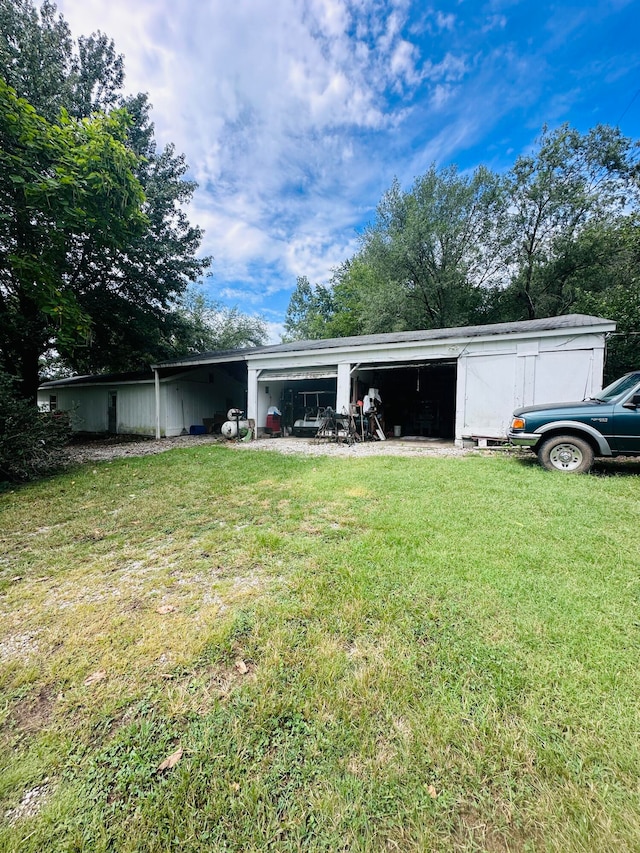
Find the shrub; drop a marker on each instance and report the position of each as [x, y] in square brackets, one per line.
[31, 441]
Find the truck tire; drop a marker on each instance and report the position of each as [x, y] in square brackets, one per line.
[566, 453]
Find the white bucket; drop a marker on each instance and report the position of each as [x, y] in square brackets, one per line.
[397, 431]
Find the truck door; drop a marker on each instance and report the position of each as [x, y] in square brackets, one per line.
[626, 427]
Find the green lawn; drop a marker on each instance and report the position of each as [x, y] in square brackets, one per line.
[380, 654]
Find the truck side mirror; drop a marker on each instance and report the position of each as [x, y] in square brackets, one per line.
[633, 402]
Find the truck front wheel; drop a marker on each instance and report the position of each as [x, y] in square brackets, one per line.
[566, 453]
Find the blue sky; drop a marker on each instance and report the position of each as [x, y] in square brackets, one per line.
[296, 115]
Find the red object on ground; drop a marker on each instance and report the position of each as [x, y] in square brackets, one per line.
[273, 423]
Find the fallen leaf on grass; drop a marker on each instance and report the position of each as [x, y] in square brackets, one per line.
[242, 668]
[166, 608]
[94, 678]
[171, 761]
[432, 792]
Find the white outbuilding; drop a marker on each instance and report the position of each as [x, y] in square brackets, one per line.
[460, 384]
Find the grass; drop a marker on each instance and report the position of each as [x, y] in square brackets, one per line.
[353, 655]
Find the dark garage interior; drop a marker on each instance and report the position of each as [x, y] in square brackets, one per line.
[303, 397]
[419, 398]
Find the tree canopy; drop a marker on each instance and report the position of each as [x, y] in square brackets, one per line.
[96, 250]
[557, 232]
[205, 325]
[68, 195]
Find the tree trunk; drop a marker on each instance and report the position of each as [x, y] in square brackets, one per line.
[30, 373]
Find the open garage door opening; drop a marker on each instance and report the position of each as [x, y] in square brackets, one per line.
[303, 402]
[417, 399]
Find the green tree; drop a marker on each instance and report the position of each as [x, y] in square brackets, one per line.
[68, 195]
[613, 291]
[562, 198]
[458, 249]
[343, 296]
[38, 60]
[435, 247]
[308, 313]
[136, 294]
[428, 260]
[207, 325]
[126, 291]
[31, 442]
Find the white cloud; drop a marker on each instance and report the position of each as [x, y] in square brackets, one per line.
[403, 62]
[332, 16]
[445, 22]
[312, 255]
[275, 331]
[451, 68]
[295, 116]
[264, 99]
[494, 22]
[440, 95]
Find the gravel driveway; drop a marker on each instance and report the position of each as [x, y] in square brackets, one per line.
[116, 447]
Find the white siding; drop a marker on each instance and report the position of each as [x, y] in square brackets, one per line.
[200, 394]
[489, 394]
[567, 375]
[189, 399]
[496, 373]
[492, 385]
[136, 408]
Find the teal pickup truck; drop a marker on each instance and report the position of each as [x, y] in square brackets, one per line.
[568, 436]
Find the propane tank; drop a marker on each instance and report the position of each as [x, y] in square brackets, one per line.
[230, 429]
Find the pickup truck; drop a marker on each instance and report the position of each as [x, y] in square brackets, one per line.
[568, 436]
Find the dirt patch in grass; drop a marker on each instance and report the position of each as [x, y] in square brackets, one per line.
[198, 691]
[32, 714]
[474, 829]
[224, 680]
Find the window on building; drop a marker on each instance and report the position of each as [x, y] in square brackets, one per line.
[53, 402]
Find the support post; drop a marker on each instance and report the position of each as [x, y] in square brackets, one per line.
[157, 390]
[343, 389]
[252, 397]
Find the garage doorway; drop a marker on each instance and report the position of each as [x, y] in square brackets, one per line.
[419, 399]
[300, 402]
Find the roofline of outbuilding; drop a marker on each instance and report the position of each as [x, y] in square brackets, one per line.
[459, 334]
[137, 378]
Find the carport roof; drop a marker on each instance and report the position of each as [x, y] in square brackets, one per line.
[100, 379]
[566, 321]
